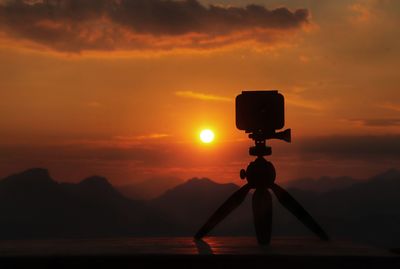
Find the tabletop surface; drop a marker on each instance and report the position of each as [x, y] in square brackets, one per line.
[283, 246]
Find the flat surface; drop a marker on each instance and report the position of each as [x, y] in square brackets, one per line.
[305, 247]
[184, 252]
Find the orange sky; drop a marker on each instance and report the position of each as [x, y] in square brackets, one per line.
[97, 90]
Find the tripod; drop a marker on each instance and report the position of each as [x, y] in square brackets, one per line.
[260, 175]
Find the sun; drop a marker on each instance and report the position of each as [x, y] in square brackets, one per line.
[207, 136]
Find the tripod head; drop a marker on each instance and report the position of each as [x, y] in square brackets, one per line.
[261, 149]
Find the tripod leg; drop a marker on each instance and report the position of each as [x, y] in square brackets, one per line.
[227, 207]
[296, 209]
[262, 213]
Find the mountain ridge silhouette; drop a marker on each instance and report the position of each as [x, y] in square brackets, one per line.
[33, 205]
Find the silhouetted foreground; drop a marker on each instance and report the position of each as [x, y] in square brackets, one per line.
[213, 252]
[262, 115]
[34, 206]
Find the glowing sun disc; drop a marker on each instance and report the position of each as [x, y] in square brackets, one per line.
[207, 136]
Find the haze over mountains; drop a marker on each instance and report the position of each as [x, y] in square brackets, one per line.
[33, 205]
[154, 187]
[322, 184]
[149, 188]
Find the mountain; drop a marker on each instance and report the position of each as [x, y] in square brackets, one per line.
[33, 205]
[322, 184]
[149, 188]
[367, 211]
[191, 203]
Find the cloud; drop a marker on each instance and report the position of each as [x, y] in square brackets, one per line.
[295, 99]
[378, 122]
[202, 96]
[86, 152]
[141, 137]
[104, 25]
[94, 104]
[391, 106]
[350, 147]
[118, 141]
[362, 13]
[332, 155]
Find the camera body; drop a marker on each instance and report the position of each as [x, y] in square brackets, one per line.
[260, 111]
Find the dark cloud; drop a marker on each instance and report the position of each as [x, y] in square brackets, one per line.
[140, 154]
[330, 155]
[382, 147]
[72, 25]
[180, 17]
[359, 147]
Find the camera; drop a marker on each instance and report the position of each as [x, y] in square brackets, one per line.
[260, 111]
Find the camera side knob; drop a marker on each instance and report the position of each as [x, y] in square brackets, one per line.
[243, 174]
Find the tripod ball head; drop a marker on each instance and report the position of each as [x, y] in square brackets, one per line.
[260, 173]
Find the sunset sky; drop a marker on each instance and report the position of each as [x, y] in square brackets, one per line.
[123, 88]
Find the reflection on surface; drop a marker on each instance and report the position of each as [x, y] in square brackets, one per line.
[203, 247]
[128, 246]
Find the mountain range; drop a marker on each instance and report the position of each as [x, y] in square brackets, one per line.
[33, 205]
